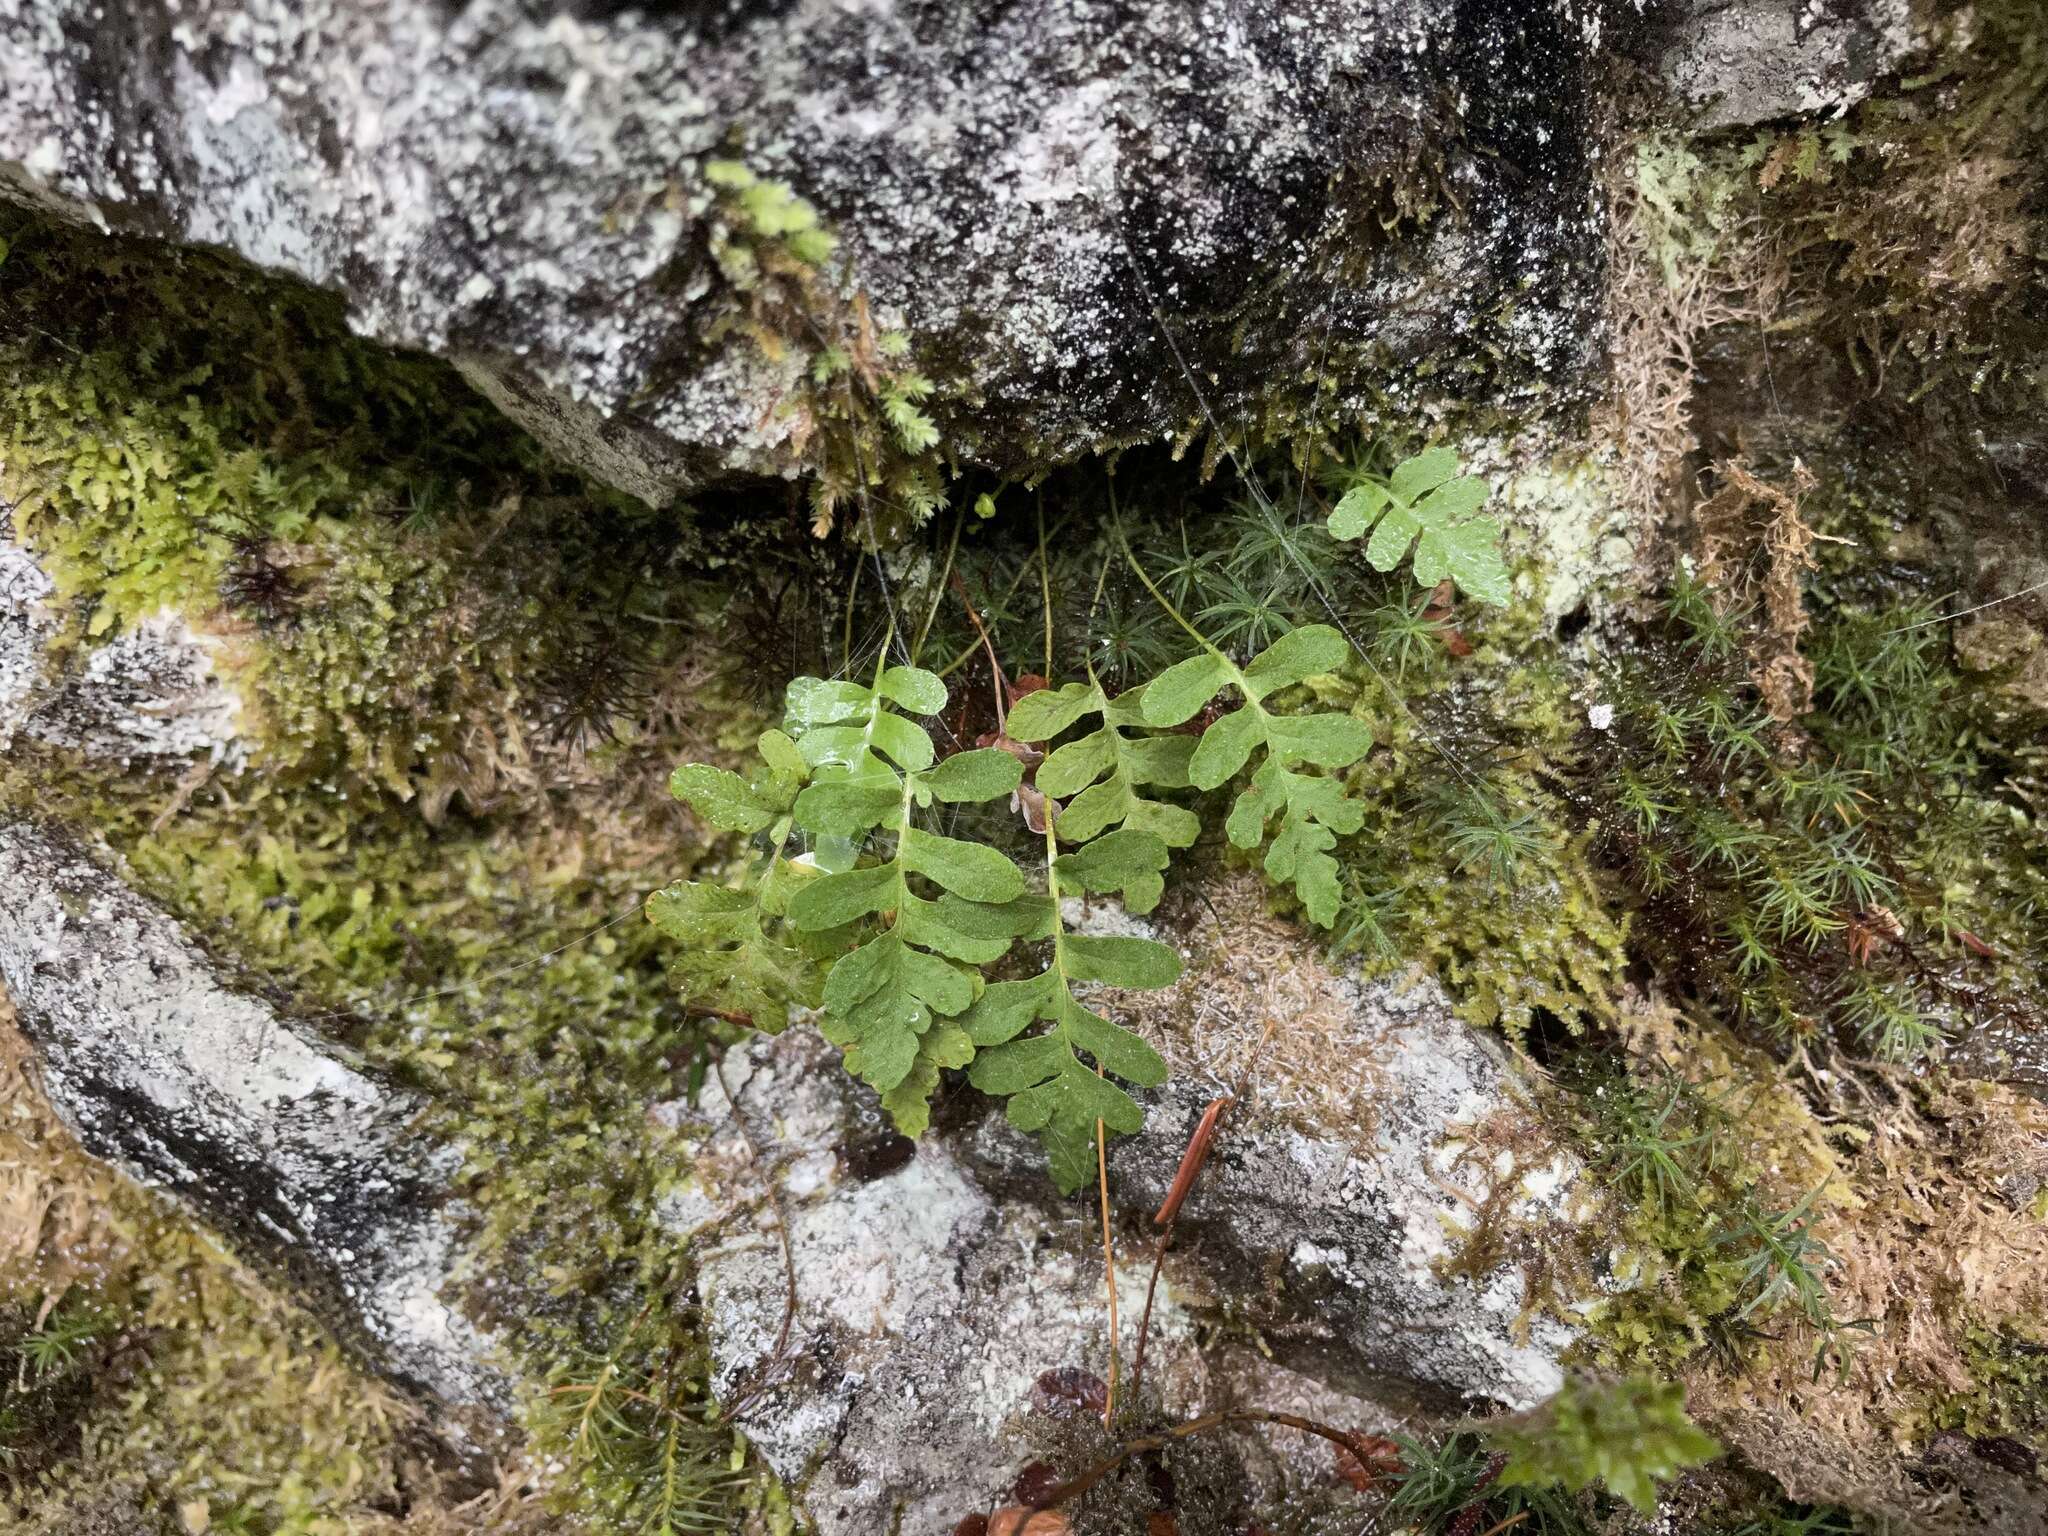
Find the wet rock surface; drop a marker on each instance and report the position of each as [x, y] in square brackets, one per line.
[1747, 61]
[1329, 1240]
[933, 1292]
[925, 1310]
[148, 694]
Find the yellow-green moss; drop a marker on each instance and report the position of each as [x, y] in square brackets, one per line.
[507, 974]
[192, 1394]
[854, 412]
[410, 597]
[2009, 1384]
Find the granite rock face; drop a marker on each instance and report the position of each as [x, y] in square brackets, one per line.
[519, 187]
[1748, 61]
[935, 1286]
[1331, 1240]
[150, 694]
[925, 1310]
[207, 1094]
[1051, 197]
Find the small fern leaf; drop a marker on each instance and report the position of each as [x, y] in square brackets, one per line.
[1051, 1091]
[1104, 771]
[729, 963]
[1178, 694]
[1428, 506]
[928, 910]
[734, 804]
[1128, 862]
[1313, 813]
[909, 1103]
[1042, 715]
[885, 995]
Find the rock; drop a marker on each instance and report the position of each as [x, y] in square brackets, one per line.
[926, 1309]
[2009, 645]
[25, 628]
[1742, 62]
[521, 189]
[1324, 1225]
[149, 692]
[209, 1095]
[934, 1291]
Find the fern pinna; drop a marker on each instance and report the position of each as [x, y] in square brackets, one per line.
[888, 928]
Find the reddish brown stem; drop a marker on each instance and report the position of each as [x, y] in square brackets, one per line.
[1191, 1162]
[723, 1015]
[994, 666]
[1169, 1212]
[1145, 1317]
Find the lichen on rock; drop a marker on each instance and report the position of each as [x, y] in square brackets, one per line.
[1633, 968]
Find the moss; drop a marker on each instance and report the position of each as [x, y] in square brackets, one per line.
[2008, 1393]
[430, 622]
[1675, 1170]
[506, 973]
[467, 673]
[413, 601]
[191, 1388]
[1487, 880]
[1915, 209]
[1547, 944]
[853, 412]
[540, 1069]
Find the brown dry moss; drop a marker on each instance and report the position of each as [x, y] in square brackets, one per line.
[1934, 1257]
[1264, 1014]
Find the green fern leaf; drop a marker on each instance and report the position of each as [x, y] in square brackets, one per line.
[882, 997]
[736, 957]
[724, 799]
[1313, 811]
[1052, 1092]
[909, 1103]
[913, 964]
[1127, 862]
[1427, 505]
[1105, 770]
[729, 961]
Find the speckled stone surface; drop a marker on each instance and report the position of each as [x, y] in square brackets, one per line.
[519, 187]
